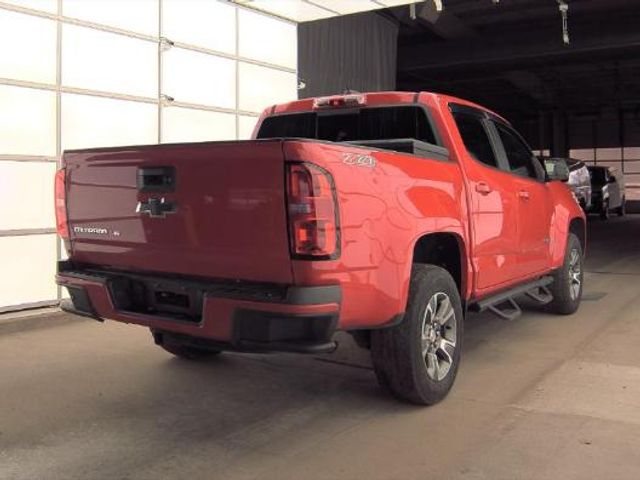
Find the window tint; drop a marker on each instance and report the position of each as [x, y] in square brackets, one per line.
[550, 166]
[520, 158]
[475, 138]
[396, 122]
[298, 125]
[381, 123]
[338, 128]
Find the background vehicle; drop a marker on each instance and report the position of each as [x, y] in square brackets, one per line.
[577, 174]
[387, 215]
[608, 191]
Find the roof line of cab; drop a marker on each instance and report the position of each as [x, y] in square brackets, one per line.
[373, 98]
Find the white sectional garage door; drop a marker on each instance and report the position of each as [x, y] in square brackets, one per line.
[79, 73]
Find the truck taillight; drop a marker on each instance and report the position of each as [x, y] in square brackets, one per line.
[314, 229]
[62, 225]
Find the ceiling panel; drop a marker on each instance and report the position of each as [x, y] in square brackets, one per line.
[394, 3]
[295, 10]
[309, 10]
[346, 7]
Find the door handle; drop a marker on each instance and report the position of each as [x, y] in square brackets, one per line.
[483, 188]
[523, 194]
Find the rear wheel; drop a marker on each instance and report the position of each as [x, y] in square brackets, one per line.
[567, 283]
[418, 359]
[621, 210]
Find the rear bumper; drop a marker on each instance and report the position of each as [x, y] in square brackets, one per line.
[229, 316]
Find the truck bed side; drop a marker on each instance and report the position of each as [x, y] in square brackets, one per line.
[388, 201]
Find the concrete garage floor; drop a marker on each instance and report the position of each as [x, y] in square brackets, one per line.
[543, 397]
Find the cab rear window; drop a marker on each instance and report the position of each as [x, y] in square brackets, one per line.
[372, 123]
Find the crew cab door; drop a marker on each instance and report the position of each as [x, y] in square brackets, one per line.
[534, 203]
[493, 206]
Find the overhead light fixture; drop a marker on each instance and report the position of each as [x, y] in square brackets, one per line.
[564, 9]
[412, 8]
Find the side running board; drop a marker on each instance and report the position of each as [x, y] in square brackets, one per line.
[503, 304]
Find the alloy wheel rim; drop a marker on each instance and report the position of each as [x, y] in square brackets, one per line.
[575, 274]
[438, 339]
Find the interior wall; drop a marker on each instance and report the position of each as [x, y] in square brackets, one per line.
[355, 52]
[78, 73]
[609, 137]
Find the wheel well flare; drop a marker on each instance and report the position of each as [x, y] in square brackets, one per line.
[444, 250]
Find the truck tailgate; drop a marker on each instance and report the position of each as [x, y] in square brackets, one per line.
[213, 209]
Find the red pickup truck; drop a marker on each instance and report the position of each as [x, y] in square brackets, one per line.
[386, 215]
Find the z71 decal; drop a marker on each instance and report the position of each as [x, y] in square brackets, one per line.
[358, 159]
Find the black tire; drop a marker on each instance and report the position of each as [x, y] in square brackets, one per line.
[184, 351]
[566, 298]
[604, 213]
[397, 352]
[622, 210]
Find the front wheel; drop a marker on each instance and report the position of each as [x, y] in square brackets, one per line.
[567, 280]
[418, 359]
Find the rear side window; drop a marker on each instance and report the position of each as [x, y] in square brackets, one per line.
[519, 156]
[475, 138]
[372, 123]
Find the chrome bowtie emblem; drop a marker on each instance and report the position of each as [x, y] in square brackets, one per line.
[156, 207]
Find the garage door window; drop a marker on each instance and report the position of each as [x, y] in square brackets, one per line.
[106, 73]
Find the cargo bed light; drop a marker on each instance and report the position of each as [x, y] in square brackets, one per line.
[339, 101]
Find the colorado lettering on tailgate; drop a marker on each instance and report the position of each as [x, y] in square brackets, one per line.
[91, 230]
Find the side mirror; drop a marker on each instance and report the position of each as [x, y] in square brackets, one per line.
[612, 179]
[557, 170]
